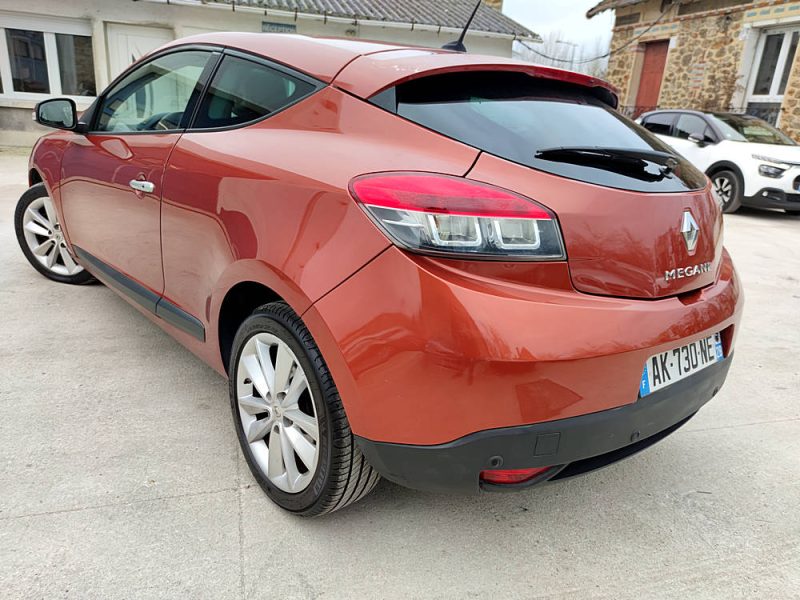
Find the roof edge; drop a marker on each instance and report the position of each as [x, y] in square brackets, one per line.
[531, 36]
[610, 5]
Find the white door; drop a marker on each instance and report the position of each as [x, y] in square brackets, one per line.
[700, 155]
[128, 43]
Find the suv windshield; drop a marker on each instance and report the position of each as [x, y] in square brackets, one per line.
[552, 126]
[743, 128]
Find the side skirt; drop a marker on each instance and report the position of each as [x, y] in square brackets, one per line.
[150, 301]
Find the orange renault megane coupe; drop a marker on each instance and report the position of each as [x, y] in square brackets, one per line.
[456, 272]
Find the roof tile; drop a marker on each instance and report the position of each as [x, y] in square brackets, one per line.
[440, 13]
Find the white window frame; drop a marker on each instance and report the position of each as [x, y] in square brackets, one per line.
[49, 26]
[773, 97]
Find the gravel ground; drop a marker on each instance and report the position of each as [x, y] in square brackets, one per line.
[121, 477]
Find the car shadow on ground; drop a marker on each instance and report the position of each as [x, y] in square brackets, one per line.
[767, 214]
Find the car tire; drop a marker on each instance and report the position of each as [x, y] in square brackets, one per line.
[41, 240]
[265, 403]
[727, 188]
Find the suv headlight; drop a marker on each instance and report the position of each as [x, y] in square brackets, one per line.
[771, 171]
[774, 171]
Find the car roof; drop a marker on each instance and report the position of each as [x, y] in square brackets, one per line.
[682, 111]
[322, 58]
[364, 68]
[732, 114]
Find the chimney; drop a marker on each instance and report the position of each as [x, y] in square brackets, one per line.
[497, 4]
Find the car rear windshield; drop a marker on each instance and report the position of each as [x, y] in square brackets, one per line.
[742, 128]
[540, 123]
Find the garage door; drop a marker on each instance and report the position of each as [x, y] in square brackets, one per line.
[128, 43]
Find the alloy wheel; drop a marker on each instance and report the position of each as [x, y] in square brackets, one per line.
[277, 411]
[723, 190]
[45, 239]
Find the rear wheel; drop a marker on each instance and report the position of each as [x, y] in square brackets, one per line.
[289, 418]
[727, 188]
[41, 239]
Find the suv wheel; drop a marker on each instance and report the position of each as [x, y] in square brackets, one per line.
[728, 190]
[289, 418]
[41, 239]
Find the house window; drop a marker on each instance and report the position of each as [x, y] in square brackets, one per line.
[44, 56]
[28, 63]
[771, 69]
[76, 64]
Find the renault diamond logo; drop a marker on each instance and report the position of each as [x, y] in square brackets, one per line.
[690, 231]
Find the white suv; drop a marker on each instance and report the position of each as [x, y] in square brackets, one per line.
[749, 162]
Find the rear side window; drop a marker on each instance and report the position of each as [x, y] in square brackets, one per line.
[660, 124]
[243, 91]
[692, 125]
[531, 121]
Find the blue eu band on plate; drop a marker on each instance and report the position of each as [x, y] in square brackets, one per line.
[666, 368]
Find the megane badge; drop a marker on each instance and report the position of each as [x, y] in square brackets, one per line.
[690, 231]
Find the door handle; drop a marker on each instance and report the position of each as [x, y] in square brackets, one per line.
[142, 186]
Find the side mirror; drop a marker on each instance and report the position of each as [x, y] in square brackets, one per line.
[702, 142]
[59, 113]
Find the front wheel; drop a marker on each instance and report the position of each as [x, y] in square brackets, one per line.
[42, 241]
[289, 418]
[728, 190]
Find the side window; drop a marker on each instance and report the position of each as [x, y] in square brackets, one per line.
[243, 90]
[156, 96]
[691, 125]
[660, 123]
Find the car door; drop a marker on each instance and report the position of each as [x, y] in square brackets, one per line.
[221, 176]
[700, 154]
[111, 177]
[660, 124]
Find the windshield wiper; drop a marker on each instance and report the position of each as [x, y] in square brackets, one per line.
[656, 156]
[626, 161]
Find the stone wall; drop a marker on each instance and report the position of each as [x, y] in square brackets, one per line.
[709, 59]
[702, 66]
[620, 64]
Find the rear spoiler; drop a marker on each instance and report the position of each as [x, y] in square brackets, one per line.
[371, 74]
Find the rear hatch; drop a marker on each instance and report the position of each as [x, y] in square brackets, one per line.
[637, 220]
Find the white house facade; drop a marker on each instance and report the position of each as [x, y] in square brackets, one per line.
[76, 47]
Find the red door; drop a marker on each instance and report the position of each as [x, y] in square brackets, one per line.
[105, 216]
[655, 57]
[111, 178]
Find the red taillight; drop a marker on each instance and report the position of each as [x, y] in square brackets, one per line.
[508, 476]
[444, 214]
[443, 195]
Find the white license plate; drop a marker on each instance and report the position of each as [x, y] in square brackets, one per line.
[668, 367]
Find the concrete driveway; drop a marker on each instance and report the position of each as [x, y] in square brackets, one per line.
[121, 476]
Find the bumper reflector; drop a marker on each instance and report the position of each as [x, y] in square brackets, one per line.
[510, 476]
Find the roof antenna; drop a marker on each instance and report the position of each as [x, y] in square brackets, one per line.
[458, 45]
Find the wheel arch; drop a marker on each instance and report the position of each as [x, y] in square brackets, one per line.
[34, 177]
[725, 165]
[239, 303]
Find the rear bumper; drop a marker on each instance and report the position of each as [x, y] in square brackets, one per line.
[424, 353]
[575, 445]
[774, 198]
